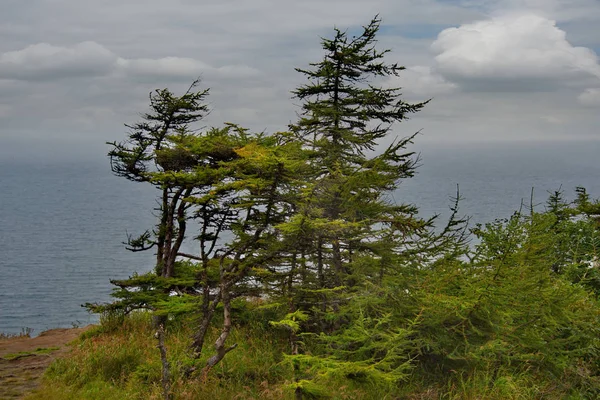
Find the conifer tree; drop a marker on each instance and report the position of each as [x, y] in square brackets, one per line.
[235, 185]
[151, 150]
[346, 120]
[350, 235]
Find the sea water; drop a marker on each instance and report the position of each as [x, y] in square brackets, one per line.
[62, 223]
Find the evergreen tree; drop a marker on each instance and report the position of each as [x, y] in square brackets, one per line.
[350, 235]
[258, 183]
[235, 185]
[151, 150]
[346, 212]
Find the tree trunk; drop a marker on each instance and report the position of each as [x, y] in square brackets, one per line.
[337, 262]
[166, 376]
[220, 349]
[200, 335]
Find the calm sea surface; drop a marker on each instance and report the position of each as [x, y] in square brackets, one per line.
[62, 223]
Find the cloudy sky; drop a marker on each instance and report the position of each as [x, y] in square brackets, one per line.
[73, 71]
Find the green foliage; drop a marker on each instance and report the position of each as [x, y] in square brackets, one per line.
[291, 321]
[21, 354]
[350, 241]
[324, 286]
[513, 309]
[151, 292]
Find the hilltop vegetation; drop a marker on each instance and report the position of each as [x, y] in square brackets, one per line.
[312, 281]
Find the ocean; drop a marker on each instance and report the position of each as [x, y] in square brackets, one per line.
[62, 223]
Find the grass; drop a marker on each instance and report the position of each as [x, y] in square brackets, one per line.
[119, 360]
[36, 352]
[113, 361]
[124, 363]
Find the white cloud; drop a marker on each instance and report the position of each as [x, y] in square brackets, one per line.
[422, 81]
[590, 97]
[180, 68]
[512, 52]
[44, 61]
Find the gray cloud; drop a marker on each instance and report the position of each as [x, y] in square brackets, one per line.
[72, 72]
[590, 97]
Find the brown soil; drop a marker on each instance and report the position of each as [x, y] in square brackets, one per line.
[21, 368]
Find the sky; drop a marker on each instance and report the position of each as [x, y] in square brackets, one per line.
[73, 72]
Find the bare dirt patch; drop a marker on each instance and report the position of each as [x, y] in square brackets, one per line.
[23, 360]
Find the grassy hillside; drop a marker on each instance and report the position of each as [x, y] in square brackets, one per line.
[119, 360]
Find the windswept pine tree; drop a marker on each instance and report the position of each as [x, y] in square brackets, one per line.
[346, 126]
[155, 153]
[258, 185]
[351, 234]
[151, 153]
[236, 186]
